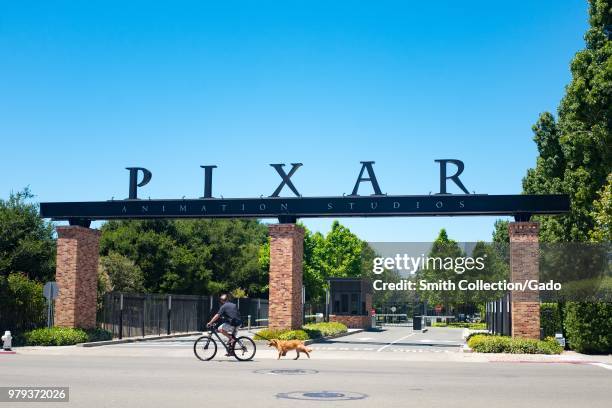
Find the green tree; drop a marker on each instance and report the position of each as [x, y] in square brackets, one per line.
[340, 254]
[602, 214]
[123, 274]
[27, 244]
[500, 232]
[315, 273]
[192, 256]
[496, 268]
[443, 248]
[575, 155]
[27, 258]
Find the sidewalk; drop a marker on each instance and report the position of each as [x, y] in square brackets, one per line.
[264, 352]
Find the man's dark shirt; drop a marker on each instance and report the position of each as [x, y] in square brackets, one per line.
[229, 311]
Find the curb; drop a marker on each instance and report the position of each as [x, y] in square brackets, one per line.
[335, 336]
[135, 339]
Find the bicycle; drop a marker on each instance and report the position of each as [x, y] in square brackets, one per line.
[205, 347]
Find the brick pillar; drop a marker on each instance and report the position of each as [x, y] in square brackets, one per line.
[77, 276]
[286, 252]
[524, 264]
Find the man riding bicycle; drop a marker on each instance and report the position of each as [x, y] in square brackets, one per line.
[230, 316]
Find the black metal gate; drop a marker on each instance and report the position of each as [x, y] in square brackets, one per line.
[498, 316]
[131, 314]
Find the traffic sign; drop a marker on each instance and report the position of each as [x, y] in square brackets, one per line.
[51, 290]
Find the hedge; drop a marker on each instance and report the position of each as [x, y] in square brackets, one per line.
[588, 326]
[308, 331]
[550, 319]
[326, 329]
[64, 336]
[505, 344]
[294, 335]
[469, 336]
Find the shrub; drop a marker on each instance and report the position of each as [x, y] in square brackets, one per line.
[588, 326]
[504, 344]
[269, 334]
[308, 331]
[22, 305]
[326, 329]
[469, 336]
[294, 335]
[55, 336]
[550, 319]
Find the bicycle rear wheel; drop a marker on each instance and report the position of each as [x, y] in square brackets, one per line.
[205, 348]
[244, 348]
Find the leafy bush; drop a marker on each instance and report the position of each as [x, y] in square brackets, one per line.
[550, 319]
[461, 325]
[326, 328]
[294, 335]
[22, 305]
[503, 344]
[588, 326]
[469, 336]
[269, 334]
[308, 331]
[55, 336]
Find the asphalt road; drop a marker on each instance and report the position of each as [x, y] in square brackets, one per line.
[390, 339]
[368, 369]
[107, 381]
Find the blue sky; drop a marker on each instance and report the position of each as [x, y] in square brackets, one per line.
[88, 88]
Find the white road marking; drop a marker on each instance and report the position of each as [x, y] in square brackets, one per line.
[395, 341]
[603, 365]
[364, 338]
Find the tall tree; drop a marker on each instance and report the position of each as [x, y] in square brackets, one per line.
[27, 244]
[575, 151]
[443, 248]
[339, 253]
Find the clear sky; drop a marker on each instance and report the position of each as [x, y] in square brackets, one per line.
[88, 88]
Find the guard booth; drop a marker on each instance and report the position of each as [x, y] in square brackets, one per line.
[350, 302]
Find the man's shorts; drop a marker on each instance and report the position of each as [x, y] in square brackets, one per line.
[228, 328]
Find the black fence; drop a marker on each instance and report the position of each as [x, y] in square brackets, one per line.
[129, 314]
[498, 316]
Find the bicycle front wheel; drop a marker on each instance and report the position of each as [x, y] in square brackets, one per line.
[205, 348]
[244, 348]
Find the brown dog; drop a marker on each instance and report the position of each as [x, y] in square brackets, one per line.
[283, 346]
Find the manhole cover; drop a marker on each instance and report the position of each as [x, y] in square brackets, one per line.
[287, 372]
[322, 395]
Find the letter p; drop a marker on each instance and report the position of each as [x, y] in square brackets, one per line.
[134, 184]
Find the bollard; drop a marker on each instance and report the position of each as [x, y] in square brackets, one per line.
[6, 341]
[249, 322]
